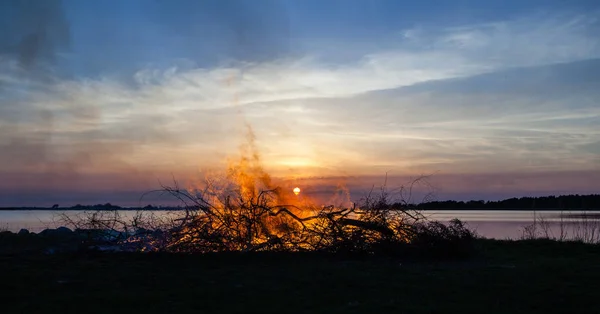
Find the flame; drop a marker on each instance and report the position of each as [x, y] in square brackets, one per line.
[247, 171]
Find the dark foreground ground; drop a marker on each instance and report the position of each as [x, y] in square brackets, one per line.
[505, 277]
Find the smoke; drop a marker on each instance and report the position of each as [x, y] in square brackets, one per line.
[33, 32]
[239, 30]
[33, 35]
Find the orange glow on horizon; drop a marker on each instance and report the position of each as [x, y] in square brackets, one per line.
[296, 190]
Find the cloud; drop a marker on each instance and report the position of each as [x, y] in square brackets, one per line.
[442, 127]
[411, 107]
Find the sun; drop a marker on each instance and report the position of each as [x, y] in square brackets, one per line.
[296, 190]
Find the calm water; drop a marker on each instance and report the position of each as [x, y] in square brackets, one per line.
[490, 224]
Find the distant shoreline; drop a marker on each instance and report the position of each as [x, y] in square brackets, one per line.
[182, 209]
[89, 209]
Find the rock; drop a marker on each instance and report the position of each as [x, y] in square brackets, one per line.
[46, 232]
[23, 232]
[61, 231]
[64, 230]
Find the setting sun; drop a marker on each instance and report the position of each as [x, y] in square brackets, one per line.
[296, 190]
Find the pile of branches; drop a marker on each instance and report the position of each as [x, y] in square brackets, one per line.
[250, 222]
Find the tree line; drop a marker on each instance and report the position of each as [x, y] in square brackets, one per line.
[562, 202]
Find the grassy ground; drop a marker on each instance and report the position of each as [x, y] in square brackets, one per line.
[506, 277]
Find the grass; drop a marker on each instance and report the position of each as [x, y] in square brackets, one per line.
[585, 228]
[538, 276]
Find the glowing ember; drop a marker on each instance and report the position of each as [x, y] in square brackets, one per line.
[296, 190]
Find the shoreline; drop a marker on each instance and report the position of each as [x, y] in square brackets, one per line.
[182, 209]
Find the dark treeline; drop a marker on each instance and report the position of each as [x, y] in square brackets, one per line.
[107, 206]
[563, 202]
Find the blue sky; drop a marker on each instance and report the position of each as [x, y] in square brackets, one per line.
[118, 36]
[100, 97]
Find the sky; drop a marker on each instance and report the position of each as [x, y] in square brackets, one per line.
[103, 100]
